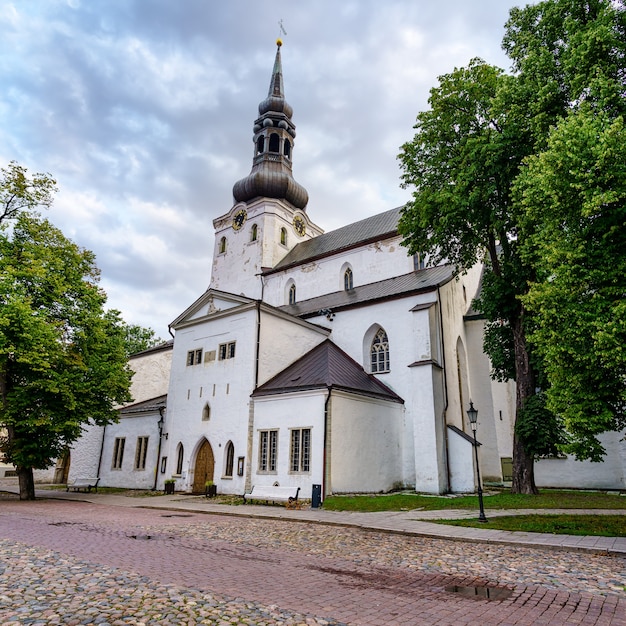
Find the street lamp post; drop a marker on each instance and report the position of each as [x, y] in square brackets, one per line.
[472, 414]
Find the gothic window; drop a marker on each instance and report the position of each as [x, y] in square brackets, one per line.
[254, 232]
[274, 142]
[222, 247]
[206, 413]
[230, 459]
[179, 459]
[287, 148]
[283, 236]
[260, 144]
[379, 352]
[347, 280]
[292, 293]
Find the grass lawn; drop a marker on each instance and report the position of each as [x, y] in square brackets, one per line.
[601, 525]
[501, 499]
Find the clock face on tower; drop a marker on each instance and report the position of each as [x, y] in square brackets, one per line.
[239, 219]
[299, 225]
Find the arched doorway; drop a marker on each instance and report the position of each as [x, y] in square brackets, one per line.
[205, 464]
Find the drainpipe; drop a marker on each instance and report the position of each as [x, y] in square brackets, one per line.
[158, 458]
[445, 387]
[104, 430]
[324, 456]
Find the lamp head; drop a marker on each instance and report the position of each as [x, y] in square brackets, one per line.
[472, 414]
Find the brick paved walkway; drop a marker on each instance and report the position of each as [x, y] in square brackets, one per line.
[151, 544]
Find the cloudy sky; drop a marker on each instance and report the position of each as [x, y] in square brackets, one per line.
[143, 110]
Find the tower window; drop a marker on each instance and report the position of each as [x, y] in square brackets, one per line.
[287, 148]
[283, 236]
[206, 413]
[222, 246]
[254, 232]
[260, 144]
[379, 352]
[347, 280]
[274, 142]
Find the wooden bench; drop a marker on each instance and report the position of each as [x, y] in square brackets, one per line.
[84, 484]
[288, 495]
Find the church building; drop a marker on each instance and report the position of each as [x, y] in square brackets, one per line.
[333, 360]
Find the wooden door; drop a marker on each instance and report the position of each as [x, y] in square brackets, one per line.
[205, 464]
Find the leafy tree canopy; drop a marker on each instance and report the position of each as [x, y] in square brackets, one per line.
[138, 338]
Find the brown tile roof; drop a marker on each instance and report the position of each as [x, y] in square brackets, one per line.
[327, 366]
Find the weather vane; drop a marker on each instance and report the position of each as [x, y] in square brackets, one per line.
[281, 31]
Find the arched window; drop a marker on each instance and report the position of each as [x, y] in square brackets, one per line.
[379, 352]
[254, 232]
[287, 148]
[283, 236]
[260, 144]
[206, 413]
[222, 247]
[179, 459]
[230, 459]
[292, 293]
[274, 142]
[347, 280]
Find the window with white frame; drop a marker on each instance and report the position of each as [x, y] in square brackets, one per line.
[141, 453]
[379, 352]
[226, 350]
[300, 454]
[118, 452]
[268, 450]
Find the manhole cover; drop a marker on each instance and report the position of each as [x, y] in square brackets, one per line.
[481, 593]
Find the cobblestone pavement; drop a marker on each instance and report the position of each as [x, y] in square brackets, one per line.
[65, 562]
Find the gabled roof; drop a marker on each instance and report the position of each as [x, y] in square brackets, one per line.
[147, 406]
[399, 286]
[375, 228]
[327, 366]
[205, 299]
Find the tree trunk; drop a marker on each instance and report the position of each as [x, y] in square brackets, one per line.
[27, 483]
[523, 463]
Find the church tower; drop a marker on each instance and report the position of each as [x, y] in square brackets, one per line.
[268, 217]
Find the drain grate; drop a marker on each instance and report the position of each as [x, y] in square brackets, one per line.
[481, 593]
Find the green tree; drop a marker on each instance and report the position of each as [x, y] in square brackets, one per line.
[19, 193]
[574, 195]
[462, 163]
[138, 338]
[62, 357]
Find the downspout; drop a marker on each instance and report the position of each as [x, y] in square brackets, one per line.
[325, 455]
[445, 389]
[160, 424]
[104, 430]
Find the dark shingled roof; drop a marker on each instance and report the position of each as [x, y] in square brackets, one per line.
[147, 406]
[323, 367]
[381, 226]
[399, 286]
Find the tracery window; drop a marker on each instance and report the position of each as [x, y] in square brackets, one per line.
[379, 352]
[292, 294]
[348, 282]
[230, 459]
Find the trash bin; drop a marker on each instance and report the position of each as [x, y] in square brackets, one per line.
[316, 497]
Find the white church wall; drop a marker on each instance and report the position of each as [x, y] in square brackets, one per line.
[284, 413]
[369, 264]
[152, 374]
[223, 384]
[128, 475]
[365, 452]
[85, 453]
[569, 473]
[283, 341]
[462, 474]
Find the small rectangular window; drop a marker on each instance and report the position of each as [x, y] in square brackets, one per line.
[300, 456]
[141, 453]
[118, 452]
[194, 357]
[268, 450]
[227, 350]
